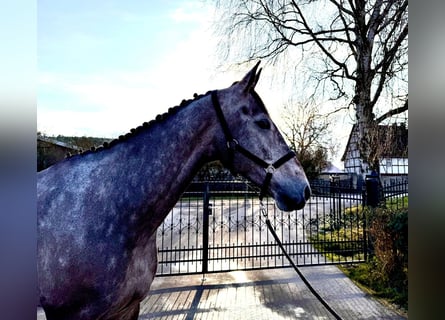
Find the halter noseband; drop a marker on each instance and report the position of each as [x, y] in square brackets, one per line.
[233, 145]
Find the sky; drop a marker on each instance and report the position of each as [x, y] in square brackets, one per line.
[105, 67]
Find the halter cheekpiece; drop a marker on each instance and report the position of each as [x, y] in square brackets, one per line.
[234, 146]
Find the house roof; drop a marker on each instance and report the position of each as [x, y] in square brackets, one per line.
[395, 137]
[354, 128]
[331, 168]
[58, 143]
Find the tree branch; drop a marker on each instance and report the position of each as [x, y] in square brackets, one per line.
[320, 45]
[392, 112]
[386, 62]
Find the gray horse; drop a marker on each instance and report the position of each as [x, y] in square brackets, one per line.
[98, 211]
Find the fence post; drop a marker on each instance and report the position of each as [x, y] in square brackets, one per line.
[372, 200]
[334, 187]
[372, 190]
[207, 211]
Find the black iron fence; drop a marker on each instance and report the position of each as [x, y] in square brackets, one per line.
[396, 193]
[217, 226]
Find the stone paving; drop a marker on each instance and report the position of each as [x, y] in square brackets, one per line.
[266, 294]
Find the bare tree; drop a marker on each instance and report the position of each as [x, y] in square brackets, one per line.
[360, 47]
[309, 135]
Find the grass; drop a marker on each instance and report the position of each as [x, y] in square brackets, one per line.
[385, 274]
[369, 276]
[397, 203]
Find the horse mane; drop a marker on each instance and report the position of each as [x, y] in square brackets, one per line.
[142, 128]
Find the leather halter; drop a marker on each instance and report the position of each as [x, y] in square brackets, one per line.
[233, 145]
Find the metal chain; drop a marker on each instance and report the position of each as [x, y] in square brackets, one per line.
[263, 209]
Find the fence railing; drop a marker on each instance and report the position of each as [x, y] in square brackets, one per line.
[396, 194]
[217, 226]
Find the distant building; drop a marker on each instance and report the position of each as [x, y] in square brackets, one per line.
[50, 151]
[331, 168]
[393, 158]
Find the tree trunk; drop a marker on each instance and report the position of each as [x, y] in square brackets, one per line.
[362, 100]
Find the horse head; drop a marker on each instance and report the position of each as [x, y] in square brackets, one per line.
[254, 147]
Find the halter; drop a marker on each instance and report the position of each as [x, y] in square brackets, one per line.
[233, 145]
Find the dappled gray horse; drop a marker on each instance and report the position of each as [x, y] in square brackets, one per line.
[98, 211]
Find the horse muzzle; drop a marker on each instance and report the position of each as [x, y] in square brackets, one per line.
[291, 199]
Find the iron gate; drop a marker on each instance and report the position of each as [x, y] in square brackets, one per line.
[218, 227]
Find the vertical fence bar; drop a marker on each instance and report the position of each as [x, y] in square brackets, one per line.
[205, 234]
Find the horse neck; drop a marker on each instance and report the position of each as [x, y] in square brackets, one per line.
[164, 159]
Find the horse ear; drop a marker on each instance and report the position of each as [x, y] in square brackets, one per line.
[250, 80]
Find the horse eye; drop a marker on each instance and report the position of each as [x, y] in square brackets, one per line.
[245, 110]
[263, 124]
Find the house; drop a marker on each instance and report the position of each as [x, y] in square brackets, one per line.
[392, 146]
[50, 151]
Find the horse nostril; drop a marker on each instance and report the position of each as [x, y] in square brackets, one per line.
[307, 193]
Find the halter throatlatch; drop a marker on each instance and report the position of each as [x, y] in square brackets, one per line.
[233, 145]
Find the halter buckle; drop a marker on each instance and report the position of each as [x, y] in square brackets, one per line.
[270, 169]
[263, 209]
[232, 144]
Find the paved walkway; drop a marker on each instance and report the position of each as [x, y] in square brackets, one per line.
[267, 294]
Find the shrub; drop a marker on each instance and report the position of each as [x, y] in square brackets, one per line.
[388, 272]
[388, 231]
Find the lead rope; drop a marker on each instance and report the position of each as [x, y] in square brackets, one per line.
[263, 210]
[233, 145]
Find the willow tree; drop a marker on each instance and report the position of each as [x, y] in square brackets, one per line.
[358, 51]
